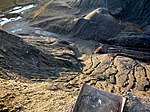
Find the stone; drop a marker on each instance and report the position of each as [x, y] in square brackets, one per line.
[91, 99]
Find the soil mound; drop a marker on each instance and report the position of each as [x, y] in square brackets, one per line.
[31, 61]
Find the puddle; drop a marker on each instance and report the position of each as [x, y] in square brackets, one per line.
[6, 20]
[17, 30]
[13, 14]
[20, 9]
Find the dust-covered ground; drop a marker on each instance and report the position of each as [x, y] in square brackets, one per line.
[57, 46]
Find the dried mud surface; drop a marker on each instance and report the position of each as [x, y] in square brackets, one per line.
[44, 71]
[53, 82]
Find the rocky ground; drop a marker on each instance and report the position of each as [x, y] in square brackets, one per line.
[43, 65]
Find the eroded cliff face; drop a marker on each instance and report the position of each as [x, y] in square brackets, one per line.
[136, 11]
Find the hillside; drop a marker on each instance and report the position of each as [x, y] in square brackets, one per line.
[57, 46]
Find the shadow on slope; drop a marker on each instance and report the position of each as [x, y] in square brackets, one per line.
[19, 57]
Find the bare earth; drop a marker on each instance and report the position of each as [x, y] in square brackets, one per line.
[42, 89]
[44, 73]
